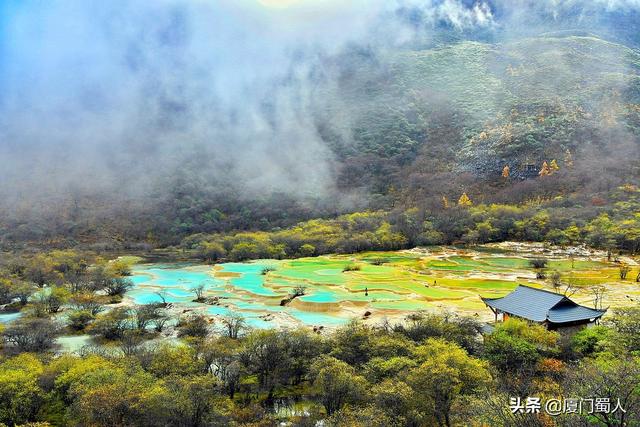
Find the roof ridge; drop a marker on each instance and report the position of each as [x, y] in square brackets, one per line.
[542, 290]
[564, 300]
[599, 310]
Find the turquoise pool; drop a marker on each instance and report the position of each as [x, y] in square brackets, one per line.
[9, 317]
[241, 289]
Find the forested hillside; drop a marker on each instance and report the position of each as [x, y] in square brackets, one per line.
[453, 114]
[410, 128]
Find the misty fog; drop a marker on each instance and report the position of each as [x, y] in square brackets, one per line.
[122, 97]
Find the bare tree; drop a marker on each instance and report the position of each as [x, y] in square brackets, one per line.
[598, 296]
[87, 301]
[539, 264]
[130, 342]
[196, 326]
[569, 290]
[385, 325]
[299, 290]
[618, 379]
[32, 334]
[117, 286]
[145, 315]
[199, 292]
[556, 280]
[162, 294]
[624, 270]
[233, 325]
[160, 322]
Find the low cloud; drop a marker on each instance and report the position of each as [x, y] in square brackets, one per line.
[117, 96]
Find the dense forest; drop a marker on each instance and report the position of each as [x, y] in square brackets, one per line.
[430, 370]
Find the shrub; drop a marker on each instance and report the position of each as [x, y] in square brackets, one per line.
[351, 267]
[32, 334]
[117, 286]
[196, 326]
[112, 324]
[267, 270]
[79, 319]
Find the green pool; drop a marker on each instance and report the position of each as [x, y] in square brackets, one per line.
[341, 287]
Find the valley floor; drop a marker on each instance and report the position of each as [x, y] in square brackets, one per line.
[378, 285]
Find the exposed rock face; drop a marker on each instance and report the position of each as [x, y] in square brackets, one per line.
[488, 167]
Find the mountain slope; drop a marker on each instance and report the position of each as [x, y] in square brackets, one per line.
[489, 105]
[407, 128]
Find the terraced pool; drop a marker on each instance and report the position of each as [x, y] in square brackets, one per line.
[341, 287]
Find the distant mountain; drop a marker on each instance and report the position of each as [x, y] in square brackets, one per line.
[475, 107]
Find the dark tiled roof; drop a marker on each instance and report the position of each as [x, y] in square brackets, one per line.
[573, 313]
[539, 305]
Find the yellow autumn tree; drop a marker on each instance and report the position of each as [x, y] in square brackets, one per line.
[464, 200]
[506, 171]
[545, 170]
[554, 166]
[445, 202]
